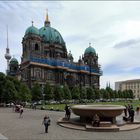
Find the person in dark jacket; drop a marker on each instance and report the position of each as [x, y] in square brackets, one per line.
[132, 114]
[68, 112]
[46, 122]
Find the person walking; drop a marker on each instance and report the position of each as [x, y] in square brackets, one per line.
[21, 111]
[46, 122]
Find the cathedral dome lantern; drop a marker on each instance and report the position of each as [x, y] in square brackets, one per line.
[32, 30]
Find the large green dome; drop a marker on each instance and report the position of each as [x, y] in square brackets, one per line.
[51, 35]
[89, 50]
[32, 30]
[14, 61]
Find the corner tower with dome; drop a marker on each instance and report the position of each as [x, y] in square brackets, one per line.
[45, 59]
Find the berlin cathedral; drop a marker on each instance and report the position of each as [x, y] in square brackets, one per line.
[45, 59]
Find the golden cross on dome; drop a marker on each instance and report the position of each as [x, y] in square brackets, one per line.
[47, 17]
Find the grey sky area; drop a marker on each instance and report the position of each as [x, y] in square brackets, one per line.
[112, 28]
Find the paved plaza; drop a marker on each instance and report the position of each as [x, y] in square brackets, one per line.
[30, 127]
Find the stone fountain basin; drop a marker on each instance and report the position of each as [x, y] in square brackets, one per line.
[101, 110]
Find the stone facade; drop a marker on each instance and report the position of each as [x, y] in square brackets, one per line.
[45, 59]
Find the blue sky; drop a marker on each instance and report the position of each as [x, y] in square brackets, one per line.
[112, 28]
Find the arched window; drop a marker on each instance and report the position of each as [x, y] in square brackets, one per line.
[36, 47]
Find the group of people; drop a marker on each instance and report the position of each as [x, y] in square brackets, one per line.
[129, 113]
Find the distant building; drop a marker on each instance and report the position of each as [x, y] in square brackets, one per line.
[134, 85]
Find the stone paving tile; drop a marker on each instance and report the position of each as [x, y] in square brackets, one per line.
[30, 128]
[3, 137]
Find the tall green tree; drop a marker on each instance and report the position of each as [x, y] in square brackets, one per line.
[67, 93]
[83, 93]
[101, 93]
[97, 93]
[120, 94]
[2, 85]
[110, 92]
[9, 92]
[36, 92]
[48, 92]
[131, 94]
[25, 93]
[90, 93]
[116, 94]
[58, 93]
[75, 93]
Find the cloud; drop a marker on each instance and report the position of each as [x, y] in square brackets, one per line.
[128, 43]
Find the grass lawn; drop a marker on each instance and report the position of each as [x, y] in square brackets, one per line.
[61, 107]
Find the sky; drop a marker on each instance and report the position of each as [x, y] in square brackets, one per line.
[112, 28]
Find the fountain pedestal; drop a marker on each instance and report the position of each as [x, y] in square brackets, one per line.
[105, 112]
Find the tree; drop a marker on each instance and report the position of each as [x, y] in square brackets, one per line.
[104, 94]
[58, 93]
[101, 93]
[67, 93]
[2, 83]
[48, 92]
[125, 94]
[116, 94]
[75, 93]
[120, 94]
[97, 93]
[9, 91]
[17, 85]
[25, 93]
[131, 94]
[36, 92]
[110, 93]
[83, 93]
[90, 93]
